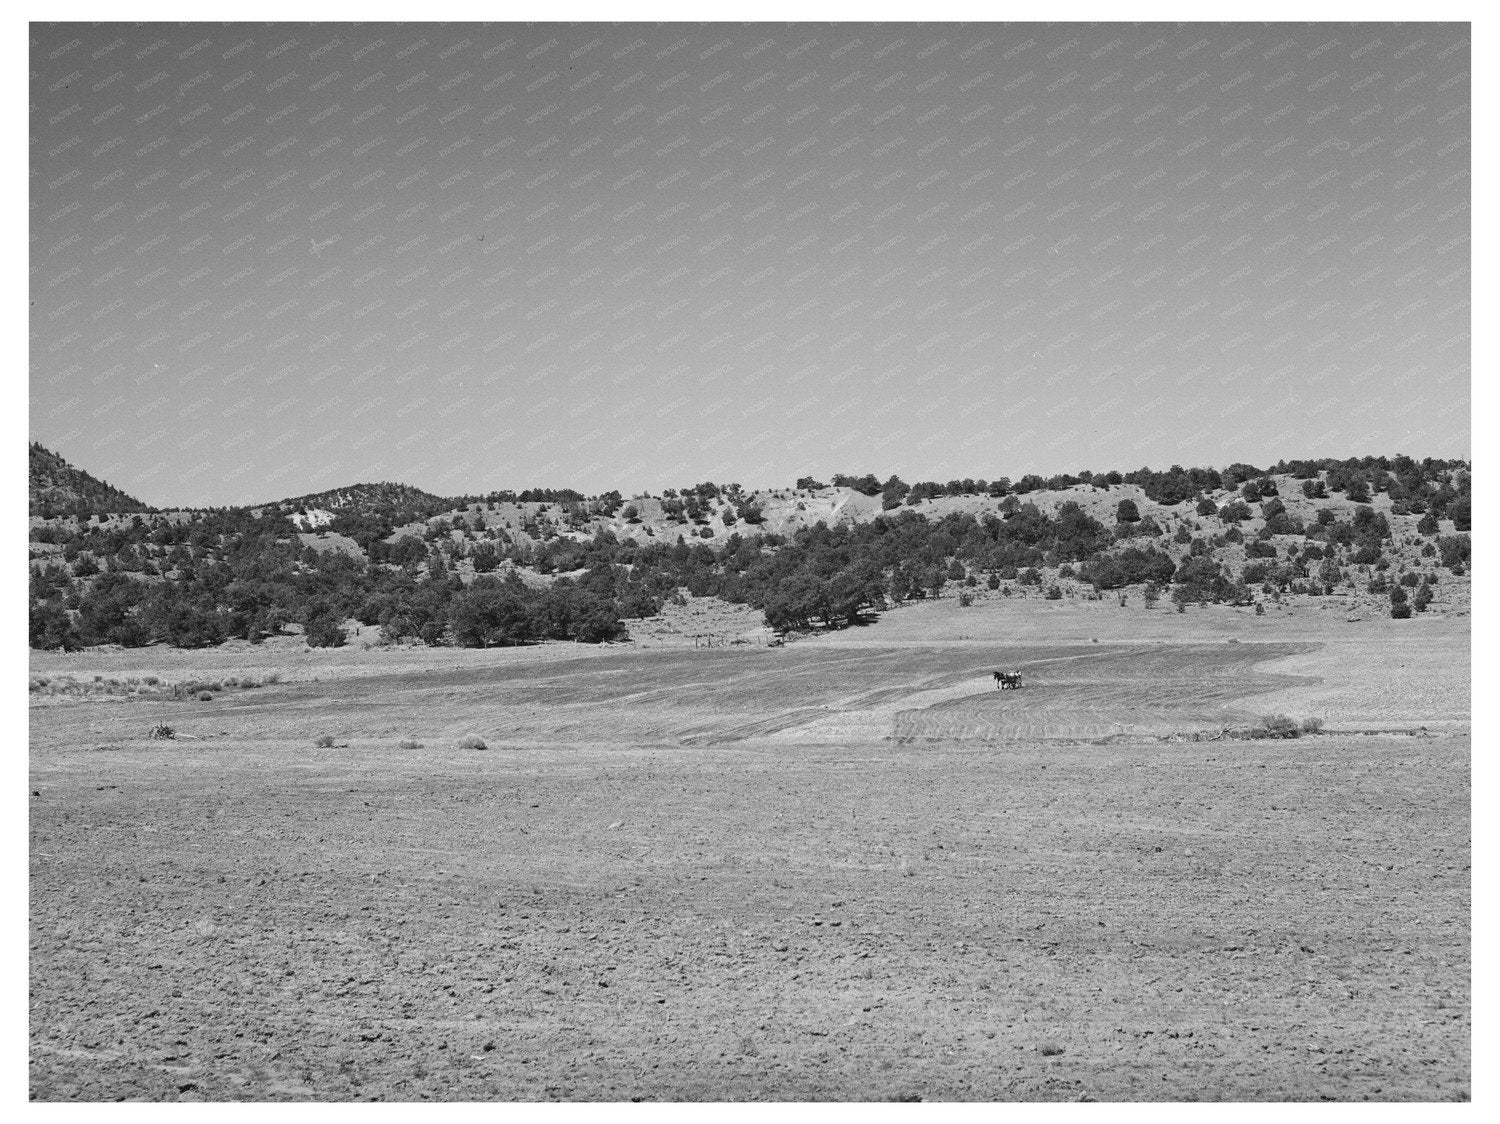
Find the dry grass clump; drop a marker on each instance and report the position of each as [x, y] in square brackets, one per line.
[66, 685]
[1280, 726]
[409, 744]
[146, 685]
[472, 741]
[1270, 726]
[323, 741]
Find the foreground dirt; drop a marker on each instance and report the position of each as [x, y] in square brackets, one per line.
[649, 887]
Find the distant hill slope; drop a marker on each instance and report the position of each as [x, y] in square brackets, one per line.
[1376, 537]
[364, 498]
[57, 489]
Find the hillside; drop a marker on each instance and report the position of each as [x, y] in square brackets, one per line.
[1378, 536]
[365, 498]
[383, 501]
[56, 489]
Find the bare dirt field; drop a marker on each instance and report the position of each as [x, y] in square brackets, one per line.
[847, 869]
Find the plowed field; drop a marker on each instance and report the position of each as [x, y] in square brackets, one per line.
[844, 869]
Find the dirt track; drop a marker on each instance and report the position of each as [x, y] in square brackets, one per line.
[647, 891]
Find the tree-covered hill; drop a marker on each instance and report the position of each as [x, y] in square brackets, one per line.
[368, 498]
[59, 489]
[512, 568]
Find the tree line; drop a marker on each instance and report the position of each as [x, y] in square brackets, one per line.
[196, 579]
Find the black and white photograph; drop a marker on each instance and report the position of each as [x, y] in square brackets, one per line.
[795, 555]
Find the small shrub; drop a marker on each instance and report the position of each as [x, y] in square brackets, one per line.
[162, 730]
[204, 696]
[472, 741]
[965, 598]
[1312, 725]
[272, 677]
[323, 741]
[1054, 593]
[151, 681]
[408, 744]
[232, 681]
[1280, 726]
[1050, 1049]
[1400, 612]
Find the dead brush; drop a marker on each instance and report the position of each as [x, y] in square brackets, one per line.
[62, 685]
[1279, 726]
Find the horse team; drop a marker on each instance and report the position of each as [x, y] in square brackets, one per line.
[1008, 680]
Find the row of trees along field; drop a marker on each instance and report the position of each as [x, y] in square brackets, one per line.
[234, 573]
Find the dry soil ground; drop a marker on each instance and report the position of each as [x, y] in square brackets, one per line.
[844, 869]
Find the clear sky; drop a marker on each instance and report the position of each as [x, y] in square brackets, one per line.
[271, 259]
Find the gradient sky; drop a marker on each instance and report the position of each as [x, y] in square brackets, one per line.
[271, 259]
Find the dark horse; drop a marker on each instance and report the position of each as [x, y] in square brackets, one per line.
[1011, 679]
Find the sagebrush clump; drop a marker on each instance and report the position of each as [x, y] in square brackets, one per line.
[1280, 726]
